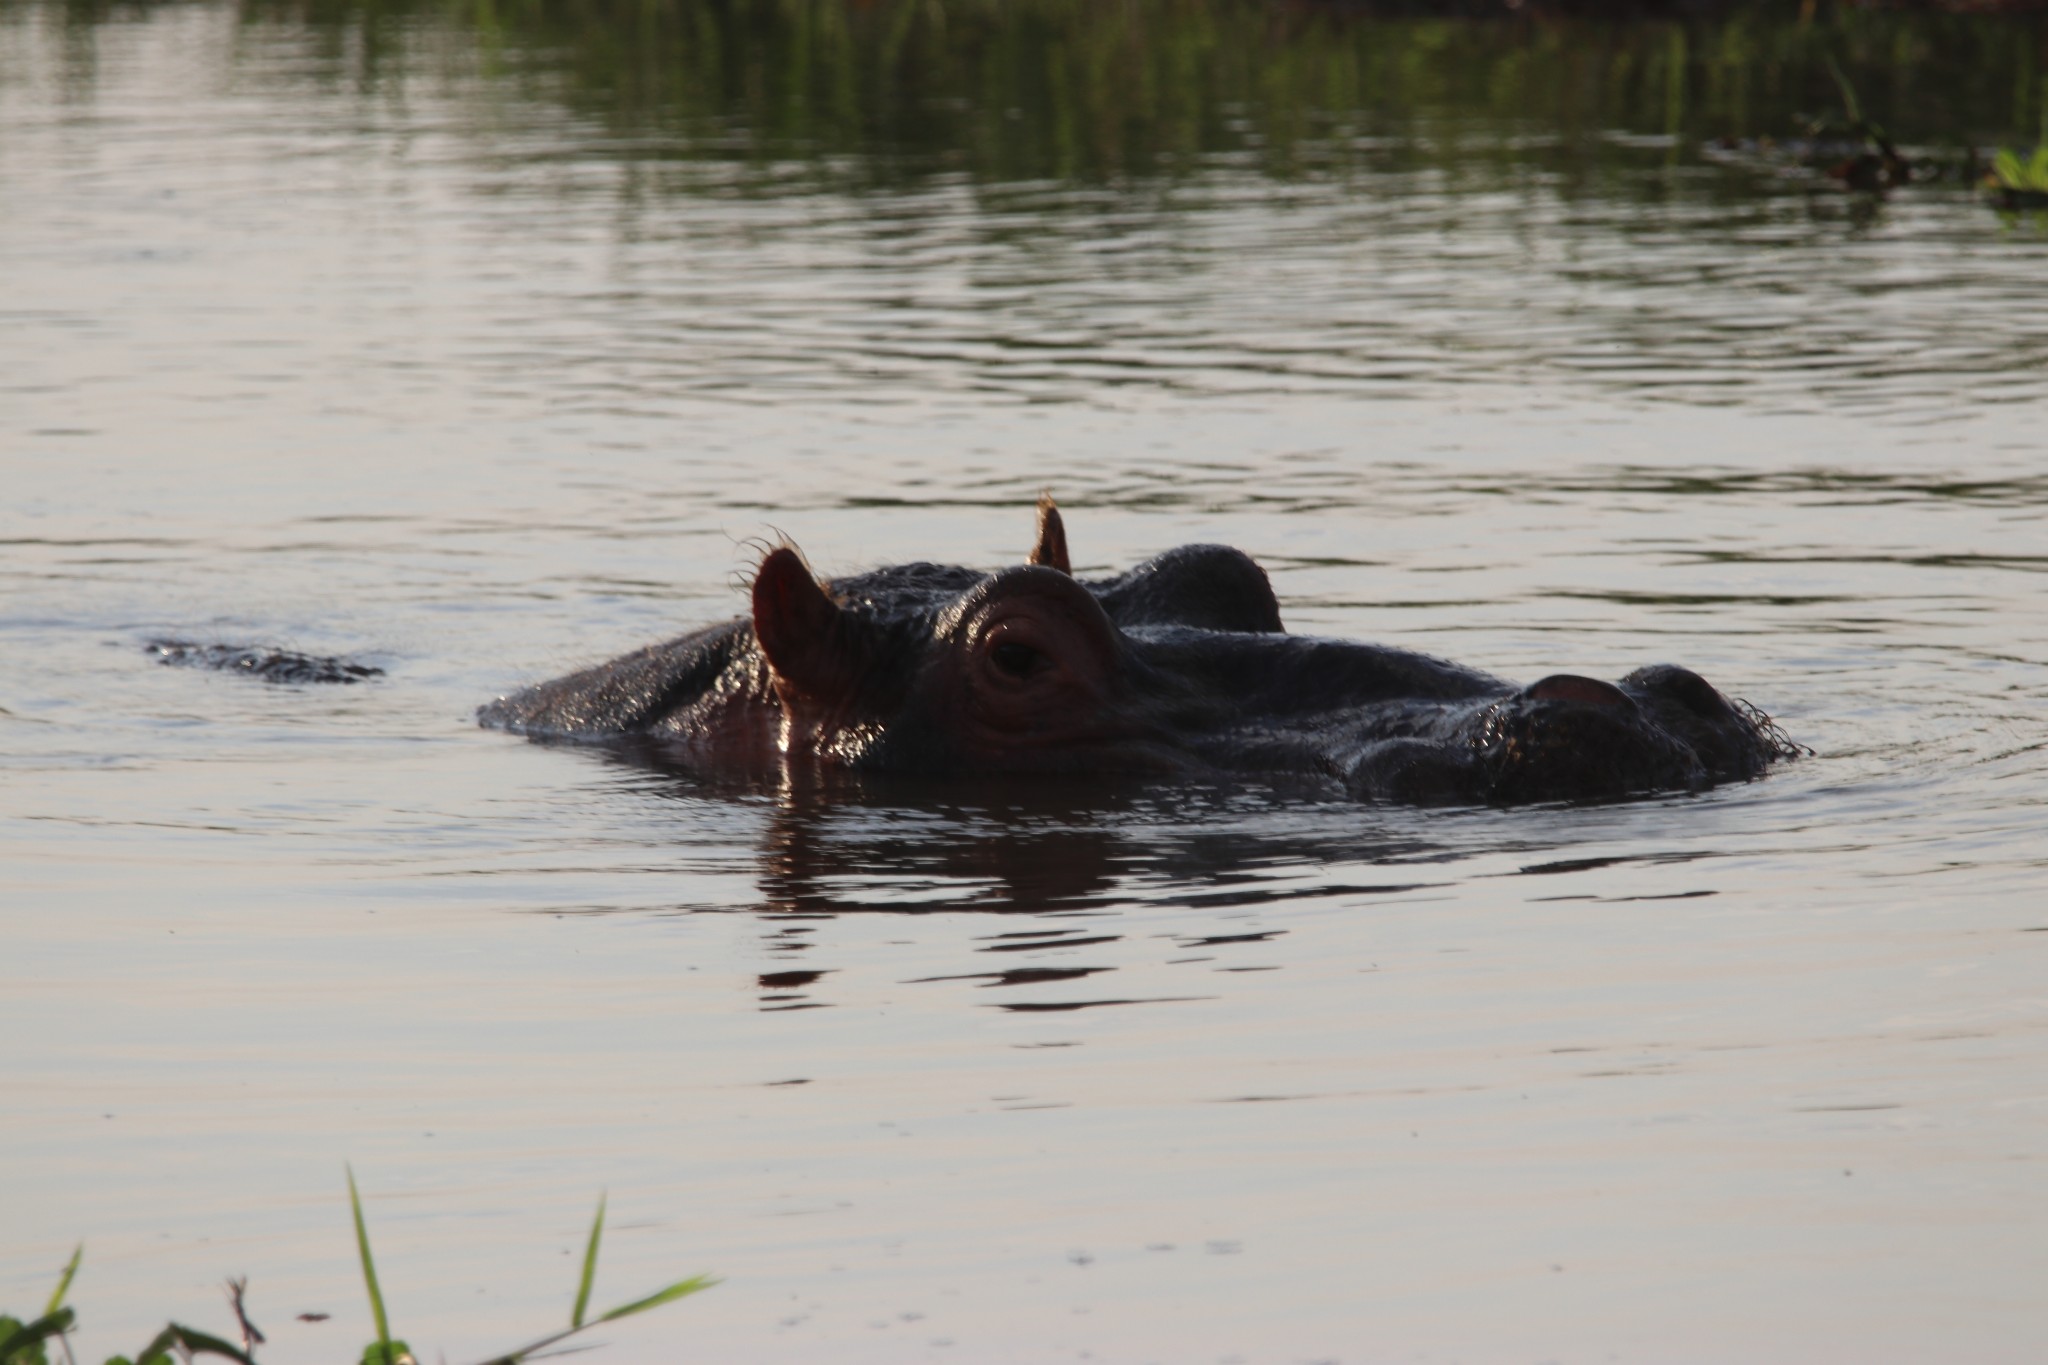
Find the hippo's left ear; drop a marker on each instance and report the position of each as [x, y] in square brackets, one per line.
[814, 645]
[1051, 548]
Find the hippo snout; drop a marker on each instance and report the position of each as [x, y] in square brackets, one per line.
[1682, 685]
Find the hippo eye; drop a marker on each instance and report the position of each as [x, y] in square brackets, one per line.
[1019, 661]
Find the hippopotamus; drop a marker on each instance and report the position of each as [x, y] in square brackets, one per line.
[1178, 666]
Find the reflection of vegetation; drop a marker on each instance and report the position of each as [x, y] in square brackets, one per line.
[1875, 164]
[28, 1343]
[1084, 89]
[2019, 184]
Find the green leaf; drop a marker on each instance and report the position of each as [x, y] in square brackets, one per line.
[9, 1329]
[514, 1357]
[2037, 168]
[196, 1342]
[158, 1348]
[64, 1281]
[387, 1353]
[673, 1292]
[22, 1343]
[680, 1289]
[190, 1341]
[355, 1202]
[16, 1348]
[589, 1266]
[2007, 168]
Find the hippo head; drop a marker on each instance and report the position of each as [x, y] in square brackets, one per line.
[1030, 670]
[1180, 664]
[1022, 672]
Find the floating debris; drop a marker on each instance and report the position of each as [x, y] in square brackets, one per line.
[262, 662]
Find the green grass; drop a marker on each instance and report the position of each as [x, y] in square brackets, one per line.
[2008, 172]
[30, 1343]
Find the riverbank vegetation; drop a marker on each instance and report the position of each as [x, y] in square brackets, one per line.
[46, 1337]
[1080, 90]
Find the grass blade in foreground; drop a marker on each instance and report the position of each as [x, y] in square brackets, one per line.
[382, 1351]
[680, 1289]
[64, 1282]
[589, 1266]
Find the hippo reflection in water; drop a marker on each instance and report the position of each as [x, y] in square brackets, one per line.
[1180, 665]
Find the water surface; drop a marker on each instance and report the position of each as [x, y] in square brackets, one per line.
[480, 347]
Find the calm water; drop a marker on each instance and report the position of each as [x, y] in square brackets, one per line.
[481, 349]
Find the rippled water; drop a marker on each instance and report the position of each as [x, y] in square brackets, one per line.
[476, 381]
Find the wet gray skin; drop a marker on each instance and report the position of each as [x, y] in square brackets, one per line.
[1178, 666]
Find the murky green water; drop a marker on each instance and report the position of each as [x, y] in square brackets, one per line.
[481, 344]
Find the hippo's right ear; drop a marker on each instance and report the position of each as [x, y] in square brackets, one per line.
[813, 645]
[1051, 547]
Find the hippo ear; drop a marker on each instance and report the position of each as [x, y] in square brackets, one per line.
[813, 645]
[1051, 549]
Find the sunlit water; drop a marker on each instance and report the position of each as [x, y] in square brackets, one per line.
[463, 385]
